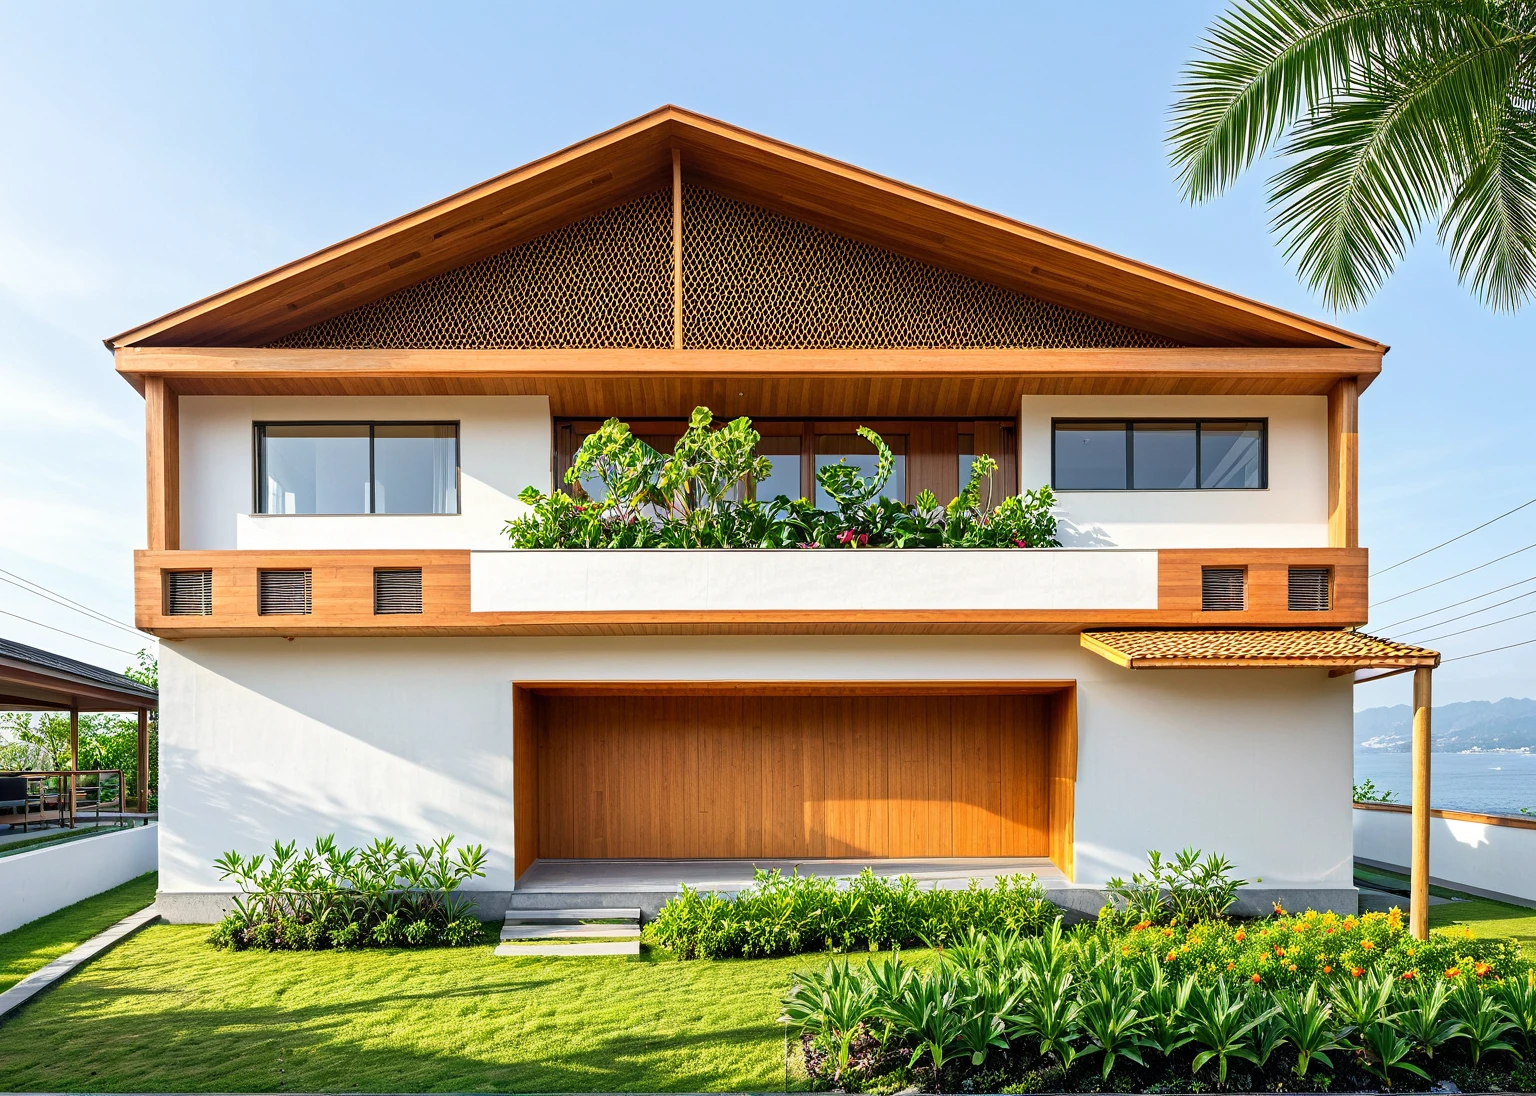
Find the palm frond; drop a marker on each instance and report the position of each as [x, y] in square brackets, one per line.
[1370, 168]
[1490, 224]
[1268, 62]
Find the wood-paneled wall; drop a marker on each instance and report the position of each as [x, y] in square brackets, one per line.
[794, 776]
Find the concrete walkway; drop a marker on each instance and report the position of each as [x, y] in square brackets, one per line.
[732, 875]
[30, 986]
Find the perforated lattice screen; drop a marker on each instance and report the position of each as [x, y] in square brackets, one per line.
[751, 279]
[605, 281]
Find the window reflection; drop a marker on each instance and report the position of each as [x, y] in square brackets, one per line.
[1090, 456]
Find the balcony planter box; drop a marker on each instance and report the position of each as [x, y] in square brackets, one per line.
[727, 579]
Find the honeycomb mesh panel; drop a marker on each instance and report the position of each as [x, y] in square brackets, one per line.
[756, 279]
[605, 281]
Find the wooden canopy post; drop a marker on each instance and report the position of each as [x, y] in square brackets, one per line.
[143, 762]
[74, 758]
[1418, 908]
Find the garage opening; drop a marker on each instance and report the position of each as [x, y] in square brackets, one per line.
[782, 771]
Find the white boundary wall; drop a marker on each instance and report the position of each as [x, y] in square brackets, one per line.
[35, 884]
[264, 740]
[1476, 856]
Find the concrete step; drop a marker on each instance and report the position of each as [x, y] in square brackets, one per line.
[567, 932]
[567, 916]
[615, 947]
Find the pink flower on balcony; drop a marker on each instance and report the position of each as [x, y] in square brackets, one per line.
[1020, 542]
[852, 539]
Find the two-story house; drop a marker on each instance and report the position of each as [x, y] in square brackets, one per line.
[352, 645]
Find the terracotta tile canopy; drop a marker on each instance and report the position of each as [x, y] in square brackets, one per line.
[1337, 649]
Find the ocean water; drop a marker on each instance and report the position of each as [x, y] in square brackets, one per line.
[1488, 782]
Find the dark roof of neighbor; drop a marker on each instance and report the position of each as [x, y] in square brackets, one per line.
[30, 674]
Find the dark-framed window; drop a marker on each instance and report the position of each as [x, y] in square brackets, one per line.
[357, 467]
[931, 454]
[1159, 454]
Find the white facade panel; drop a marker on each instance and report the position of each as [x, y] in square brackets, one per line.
[264, 740]
[638, 580]
[504, 446]
[36, 883]
[1292, 512]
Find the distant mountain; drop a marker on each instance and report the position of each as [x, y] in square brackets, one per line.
[1508, 724]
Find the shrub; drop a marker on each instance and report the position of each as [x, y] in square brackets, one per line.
[1072, 1011]
[783, 915]
[1186, 888]
[378, 896]
[693, 498]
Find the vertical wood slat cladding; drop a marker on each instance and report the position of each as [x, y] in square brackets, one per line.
[793, 776]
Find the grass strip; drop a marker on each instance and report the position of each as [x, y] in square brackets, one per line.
[38, 943]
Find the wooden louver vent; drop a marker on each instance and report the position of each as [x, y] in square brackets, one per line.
[1308, 592]
[283, 593]
[1222, 590]
[397, 591]
[189, 593]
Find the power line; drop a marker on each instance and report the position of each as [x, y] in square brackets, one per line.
[1454, 604]
[1458, 574]
[42, 591]
[1489, 651]
[1479, 627]
[1453, 540]
[72, 635]
[1474, 612]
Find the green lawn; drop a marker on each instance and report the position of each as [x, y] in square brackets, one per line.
[1480, 916]
[165, 1012]
[35, 945]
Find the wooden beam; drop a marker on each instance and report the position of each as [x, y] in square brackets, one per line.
[162, 457]
[1418, 886]
[1344, 464]
[143, 761]
[677, 249]
[74, 738]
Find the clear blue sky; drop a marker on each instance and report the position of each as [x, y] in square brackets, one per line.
[156, 153]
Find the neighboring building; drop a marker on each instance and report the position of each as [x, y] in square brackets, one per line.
[335, 446]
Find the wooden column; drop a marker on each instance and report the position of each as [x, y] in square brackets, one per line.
[143, 762]
[1418, 908]
[1344, 464]
[74, 757]
[677, 249]
[162, 453]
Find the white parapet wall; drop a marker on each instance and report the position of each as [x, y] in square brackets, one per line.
[36, 883]
[1490, 856]
[651, 579]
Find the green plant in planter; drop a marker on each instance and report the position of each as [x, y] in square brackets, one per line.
[1425, 1021]
[1518, 996]
[1222, 1026]
[834, 1003]
[1307, 1021]
[1484, 1023]
[1112, 1020]
[1386, 1050]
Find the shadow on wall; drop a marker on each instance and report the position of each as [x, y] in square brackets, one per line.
[205, 810]
[1073, 535]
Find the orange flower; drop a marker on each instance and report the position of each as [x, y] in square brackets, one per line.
[1230, 964]
[1327, 969]
[1299, 926]
[1254, 979]
[1330, 930]
[1349, 924]
[1125, 949]
[1279, 950]
[1141, 925]
[1453, 972]
[1410, 975]
[1239, 936]
[1366, 945]
[1357, 972]
[1481, 970]
[1292, 967]
[1170, 957]
[1167, 932]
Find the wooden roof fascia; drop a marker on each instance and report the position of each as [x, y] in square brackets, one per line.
[1198, 363]
[636, 155]
[817, 212]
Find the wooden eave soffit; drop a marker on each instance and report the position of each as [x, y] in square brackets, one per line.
[636, 157]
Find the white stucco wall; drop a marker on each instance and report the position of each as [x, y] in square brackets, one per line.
[36, 883]
[645, 579]
[1499, 860]
[1292, 512]
[504, 446]
[264, 739]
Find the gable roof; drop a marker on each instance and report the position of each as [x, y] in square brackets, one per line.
[32, 678]
[635, 158]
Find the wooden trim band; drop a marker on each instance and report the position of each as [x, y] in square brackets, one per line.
[1510, 821]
